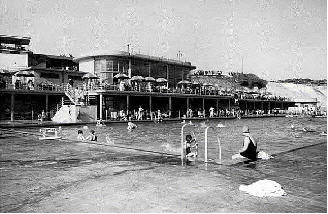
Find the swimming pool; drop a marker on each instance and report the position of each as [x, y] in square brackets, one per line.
[300, 163]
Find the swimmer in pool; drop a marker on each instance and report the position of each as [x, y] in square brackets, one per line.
[249, 149]
[92, 136]
[131, 126]
[305, 129]
[190, 143]
[80, 135]
[108, 140]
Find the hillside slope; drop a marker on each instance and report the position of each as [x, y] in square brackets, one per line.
[292, 90]
[289, 90]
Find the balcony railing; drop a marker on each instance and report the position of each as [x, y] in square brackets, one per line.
[94, 88]
[39, 87]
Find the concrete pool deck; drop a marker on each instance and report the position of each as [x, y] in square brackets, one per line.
[59, 176]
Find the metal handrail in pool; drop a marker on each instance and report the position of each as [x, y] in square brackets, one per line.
[206, 142]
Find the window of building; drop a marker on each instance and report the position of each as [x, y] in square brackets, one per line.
[109, 65]
[115, 65]
[100, 65]
[49, 75]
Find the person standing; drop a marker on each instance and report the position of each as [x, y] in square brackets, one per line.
[211, 112]
[140, 113]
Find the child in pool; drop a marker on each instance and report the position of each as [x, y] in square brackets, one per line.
[191, 143]
[80, 135]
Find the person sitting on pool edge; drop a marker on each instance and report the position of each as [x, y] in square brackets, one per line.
[80, 135]
[249, 149]
[92, 136]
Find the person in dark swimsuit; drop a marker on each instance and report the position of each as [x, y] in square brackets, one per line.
[249, 149]
[92, 136]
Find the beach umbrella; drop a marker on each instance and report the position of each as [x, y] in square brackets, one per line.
[137, 78]
[89, 76]
[161, 80]
[25, 73]
[150, 79]
[121, 76]
[184, 82]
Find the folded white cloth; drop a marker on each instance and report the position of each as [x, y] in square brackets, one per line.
[263, 155]
[263, 188]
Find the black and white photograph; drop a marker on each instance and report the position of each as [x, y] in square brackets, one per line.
[163, 106]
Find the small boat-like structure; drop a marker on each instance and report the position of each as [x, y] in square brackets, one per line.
[49, 134]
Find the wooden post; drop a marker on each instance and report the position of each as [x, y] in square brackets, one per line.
[217, 107]
[187, 105]
[229, 104]
[129, 69]
[170, 106]
[100, 106]
[47, 106]
[127, 104]
[149, 70]
[167, 76]
[204, 104]
[12, 107]
[150, 107]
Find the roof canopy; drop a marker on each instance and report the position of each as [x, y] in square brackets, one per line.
[14, 40]
[124, 54]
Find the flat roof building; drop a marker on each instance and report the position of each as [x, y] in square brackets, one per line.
[106, 64]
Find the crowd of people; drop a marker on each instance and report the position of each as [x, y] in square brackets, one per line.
[158, 115]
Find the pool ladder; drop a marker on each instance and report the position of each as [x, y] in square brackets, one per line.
[206, 144]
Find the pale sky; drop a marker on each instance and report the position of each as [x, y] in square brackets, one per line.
[277, 39]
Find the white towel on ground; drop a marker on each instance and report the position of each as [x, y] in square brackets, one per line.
[263, 188]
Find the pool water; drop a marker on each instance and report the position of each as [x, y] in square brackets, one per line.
[299, 163]
[274, 135]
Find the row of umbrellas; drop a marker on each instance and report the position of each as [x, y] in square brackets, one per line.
[27, 73]
[140, 78]
[159, 80]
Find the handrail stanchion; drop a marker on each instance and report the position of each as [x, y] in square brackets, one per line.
[219, 143]
[182, 144]
[206, 130]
